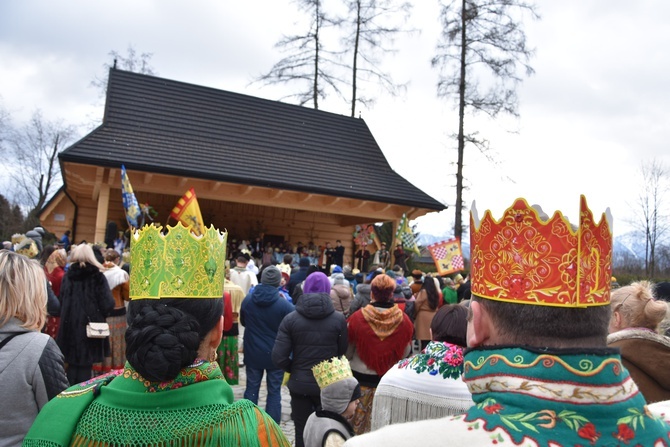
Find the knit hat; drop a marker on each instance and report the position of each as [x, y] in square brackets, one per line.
[271, 276]
[317, 282]
[336, 397]
[304, 262]
[337, 269]
[338, 386]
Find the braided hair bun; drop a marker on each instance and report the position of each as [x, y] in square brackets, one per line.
[164, 336]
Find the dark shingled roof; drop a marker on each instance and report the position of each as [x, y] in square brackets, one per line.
[163, 126]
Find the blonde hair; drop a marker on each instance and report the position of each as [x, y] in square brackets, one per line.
[82, 254]
[23, 291]
[637, 305]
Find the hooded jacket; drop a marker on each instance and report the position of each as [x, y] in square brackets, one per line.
[31, 373]
[646, 356]
[84, 297]
[311, 334]
[261, 314]
[361, 299]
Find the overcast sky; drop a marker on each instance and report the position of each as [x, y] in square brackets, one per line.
[597, 106]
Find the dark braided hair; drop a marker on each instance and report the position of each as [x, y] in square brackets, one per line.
[164, 336]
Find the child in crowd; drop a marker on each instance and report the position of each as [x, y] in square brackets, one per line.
[339, 397]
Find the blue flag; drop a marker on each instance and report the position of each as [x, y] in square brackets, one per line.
[129, 200]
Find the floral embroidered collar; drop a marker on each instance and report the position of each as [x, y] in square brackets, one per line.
[198, 371]
[558, 399]
[440, 358]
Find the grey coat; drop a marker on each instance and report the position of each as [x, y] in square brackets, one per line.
[31, 373]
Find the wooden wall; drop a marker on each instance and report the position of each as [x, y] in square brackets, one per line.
[242, 221]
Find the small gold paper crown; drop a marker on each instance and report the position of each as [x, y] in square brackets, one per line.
[528, 258]
[331, 371]
[177, 264]
[25, 246]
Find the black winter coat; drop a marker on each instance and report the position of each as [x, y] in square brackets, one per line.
[84, 297]
[311, 334]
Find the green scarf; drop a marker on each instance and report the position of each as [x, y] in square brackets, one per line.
[560, 398]
[122, 408]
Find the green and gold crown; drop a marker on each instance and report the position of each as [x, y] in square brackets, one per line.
[177, 264]
[331, 371]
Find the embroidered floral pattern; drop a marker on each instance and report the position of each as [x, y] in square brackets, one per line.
[509, 403]
[440, 358]
[199, 371]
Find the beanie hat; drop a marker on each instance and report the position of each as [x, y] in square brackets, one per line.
[337, 269]
[271, 276]
[317, 282]
[304, 262]
[336, 397]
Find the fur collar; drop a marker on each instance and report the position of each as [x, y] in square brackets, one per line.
[644, 334]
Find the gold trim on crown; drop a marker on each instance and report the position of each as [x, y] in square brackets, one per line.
[177, 264]
[331, 371]
[528, 258]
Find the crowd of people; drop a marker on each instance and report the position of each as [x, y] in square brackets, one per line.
[534, 346]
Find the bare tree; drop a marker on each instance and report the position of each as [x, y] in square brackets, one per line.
[371, 35]
[130, 62]
[307, 60]
[652, 220]
[34, 150]
[481, 51]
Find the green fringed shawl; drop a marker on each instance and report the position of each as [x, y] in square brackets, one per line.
[123, 409]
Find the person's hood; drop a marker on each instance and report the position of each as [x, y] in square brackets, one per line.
[264, 295]
[315, 306]
[363, 289]
[342, 291]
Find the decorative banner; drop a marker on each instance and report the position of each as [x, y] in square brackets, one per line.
[405, 235]
[187, 211]
[364, 235]
[447, 256]
[129, 200]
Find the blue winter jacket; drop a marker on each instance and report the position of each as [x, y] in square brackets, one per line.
[262, 311]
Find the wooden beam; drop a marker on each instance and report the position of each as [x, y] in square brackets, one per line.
[362, 204]
[215, 186]
[330, 201]
[147, 178]
[276, 194]
[182, 181]
[244, 190]
[99, 174]
[101, 215]
[380, 208]
[303, 197]
[112, 176]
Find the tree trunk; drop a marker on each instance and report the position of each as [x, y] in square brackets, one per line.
[458, 222]
[355, 63]
[316, 58]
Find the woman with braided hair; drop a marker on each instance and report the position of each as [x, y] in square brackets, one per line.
[171, 390]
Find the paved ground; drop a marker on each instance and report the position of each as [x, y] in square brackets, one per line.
[286, 422]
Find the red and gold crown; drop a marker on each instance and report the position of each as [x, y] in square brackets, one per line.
[527, 258]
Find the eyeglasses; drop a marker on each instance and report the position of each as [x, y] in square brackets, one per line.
[621, 303]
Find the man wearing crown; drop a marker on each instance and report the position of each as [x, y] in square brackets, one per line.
[538, 366]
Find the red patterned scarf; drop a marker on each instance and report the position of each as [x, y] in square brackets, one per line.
[380, 335]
